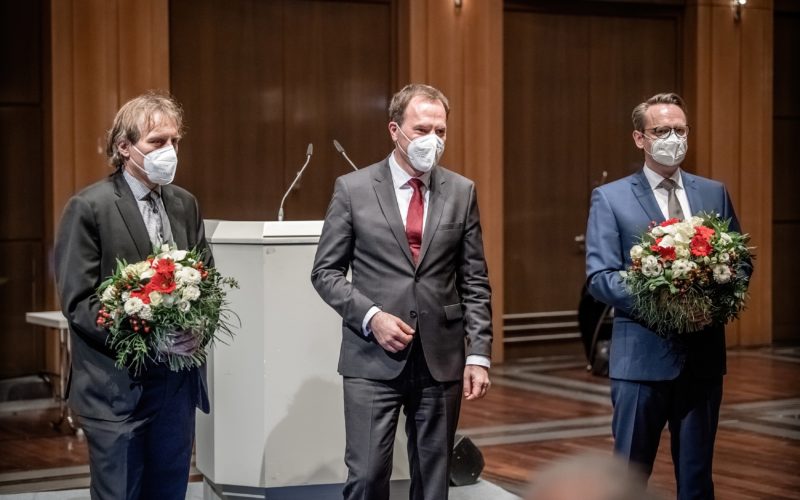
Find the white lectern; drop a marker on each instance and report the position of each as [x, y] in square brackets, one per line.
[276, 427]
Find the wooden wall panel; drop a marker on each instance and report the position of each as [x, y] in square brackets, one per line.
[571, 79]
[459, 51]
[786, 175]
[267, 78]
[21, 345]
[229, 81]
[20, 52]
[729, 80]
[21, 182]
[547, 125]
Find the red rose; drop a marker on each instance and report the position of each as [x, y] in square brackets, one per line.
[666, 253]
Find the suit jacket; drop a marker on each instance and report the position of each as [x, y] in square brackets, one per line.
[101, 224]
[446, 297]
[620, 212]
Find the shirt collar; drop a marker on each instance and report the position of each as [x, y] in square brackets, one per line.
[400, 177]
[654, 179]
[139, 188]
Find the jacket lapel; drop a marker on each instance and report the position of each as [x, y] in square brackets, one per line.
[129, 210]
[384, 189]
[436, 202]
[641, 189]
[692, 193]
[176, 215]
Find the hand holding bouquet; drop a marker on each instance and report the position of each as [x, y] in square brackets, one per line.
[169, 308]
[686, 275]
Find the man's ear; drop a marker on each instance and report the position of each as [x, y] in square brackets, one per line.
[393, 131]
[638, 139]
[124, 148]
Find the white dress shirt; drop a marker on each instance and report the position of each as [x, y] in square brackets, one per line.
[662, 195]
[403, 192]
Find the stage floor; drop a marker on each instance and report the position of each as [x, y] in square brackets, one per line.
[538, 410]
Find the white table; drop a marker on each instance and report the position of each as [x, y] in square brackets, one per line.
[56, 321]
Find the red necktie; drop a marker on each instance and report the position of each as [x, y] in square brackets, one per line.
[416, 209]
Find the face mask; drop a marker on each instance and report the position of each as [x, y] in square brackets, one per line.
[669, 151]
[423, 152]
[159, 164]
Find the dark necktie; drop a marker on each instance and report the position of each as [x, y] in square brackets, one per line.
[416, 209]
[673, 205]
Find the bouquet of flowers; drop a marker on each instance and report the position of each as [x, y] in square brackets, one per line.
[144, 304]
[686, 275]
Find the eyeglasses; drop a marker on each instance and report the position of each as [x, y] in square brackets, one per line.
[663, 132]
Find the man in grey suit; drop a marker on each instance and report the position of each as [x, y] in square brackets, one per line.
[416, 328]
[139, 429]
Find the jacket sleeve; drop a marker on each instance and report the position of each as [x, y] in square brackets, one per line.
[78, 268]
[604, 256]
[473, 284]
[332, 261]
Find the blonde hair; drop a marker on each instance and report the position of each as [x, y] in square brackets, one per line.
[138, 115]
[638, 115]
[397, 108]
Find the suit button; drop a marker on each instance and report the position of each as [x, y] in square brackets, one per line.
[413, 314]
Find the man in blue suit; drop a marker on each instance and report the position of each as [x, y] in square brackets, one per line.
[677, 379]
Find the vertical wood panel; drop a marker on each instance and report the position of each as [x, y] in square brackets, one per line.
[730, 86]
[547, 123]
[755, 172]
[264, 80]
[786, 175]
[442, 49]
[21, 181]
[483, 135]
[227, 68]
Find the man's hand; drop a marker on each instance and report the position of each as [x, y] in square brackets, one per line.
[181, 343]
[476, 382]
[391, 332]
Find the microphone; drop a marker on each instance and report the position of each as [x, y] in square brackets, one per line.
[309, 152]
[340, 149]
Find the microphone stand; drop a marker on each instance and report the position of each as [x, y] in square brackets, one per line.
[309, 152]
[340, 149]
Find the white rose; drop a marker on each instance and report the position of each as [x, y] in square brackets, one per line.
[657, 231]
[133, 306]
[148, 274]
[183, 305]
[682, 252]
[722, 273]
[146, 313]
[667, 241]
[156, 299]
[187, 276]
[725, 238]
[191, 293]
[178, 255]
[671, 229]
[696, 221]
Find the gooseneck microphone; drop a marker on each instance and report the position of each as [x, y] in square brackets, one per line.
[340, 149]
[309, 152]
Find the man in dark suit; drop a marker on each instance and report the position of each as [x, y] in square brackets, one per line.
[677, 379]
[139, 429]
[409, 231]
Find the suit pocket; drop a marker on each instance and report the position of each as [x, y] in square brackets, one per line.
[453, 312]
[451, 226]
